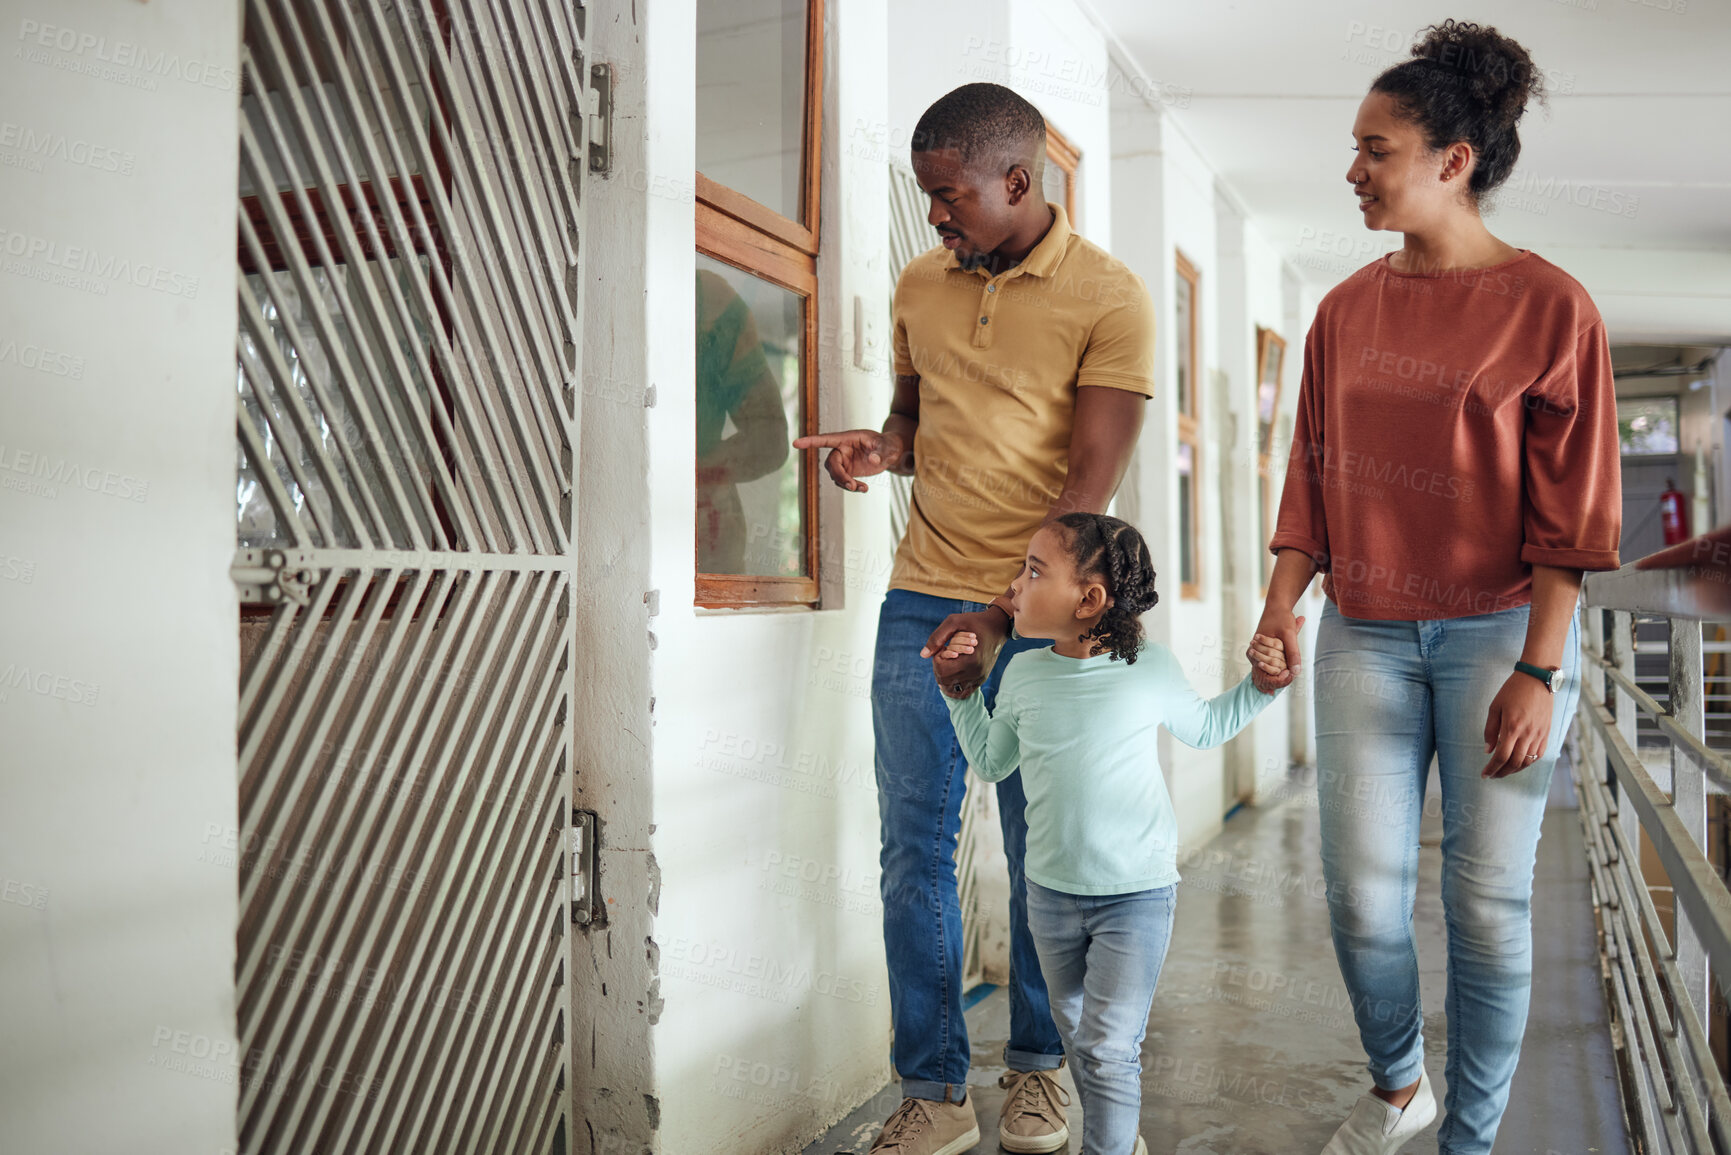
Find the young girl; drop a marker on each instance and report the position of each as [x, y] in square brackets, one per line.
[1080, 720]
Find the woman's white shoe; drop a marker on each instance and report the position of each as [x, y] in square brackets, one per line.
[1377, 1128]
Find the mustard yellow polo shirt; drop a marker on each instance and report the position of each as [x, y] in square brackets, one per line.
[999, 361]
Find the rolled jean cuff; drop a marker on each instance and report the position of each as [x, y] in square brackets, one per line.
[1402, 1075]
[1031, 1060]
[934, 1092]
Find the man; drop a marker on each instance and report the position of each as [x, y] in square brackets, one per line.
[1023, 356]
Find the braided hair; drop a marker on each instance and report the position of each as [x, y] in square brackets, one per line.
[1111, 549]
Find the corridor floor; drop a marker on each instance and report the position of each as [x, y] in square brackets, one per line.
[1251, 1048]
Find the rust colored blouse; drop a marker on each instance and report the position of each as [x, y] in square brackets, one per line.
[1454, 429]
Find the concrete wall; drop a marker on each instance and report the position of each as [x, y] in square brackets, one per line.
[118, 644]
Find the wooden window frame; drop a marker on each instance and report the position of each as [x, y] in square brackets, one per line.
[737, 230]
[1061, 151]
[1265, 445]
[1189, 427]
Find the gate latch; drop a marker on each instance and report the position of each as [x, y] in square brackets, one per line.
[583, 872]
[273, 576]
[601, 118]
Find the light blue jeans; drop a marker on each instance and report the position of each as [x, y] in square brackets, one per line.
[1389, 695]
[1101, 956]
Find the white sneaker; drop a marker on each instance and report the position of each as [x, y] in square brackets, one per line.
[1377, 1128]
[1141, 1146]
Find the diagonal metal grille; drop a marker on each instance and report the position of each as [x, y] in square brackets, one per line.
[406, 368]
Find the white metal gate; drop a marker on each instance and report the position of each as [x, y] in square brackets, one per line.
[408, 357]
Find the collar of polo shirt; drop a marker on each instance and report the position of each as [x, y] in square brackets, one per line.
[1045, 256]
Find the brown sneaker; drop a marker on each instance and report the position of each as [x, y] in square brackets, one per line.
[928, 1127]
[1033, 1116]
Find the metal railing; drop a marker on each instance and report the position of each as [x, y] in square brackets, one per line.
[1657, 983]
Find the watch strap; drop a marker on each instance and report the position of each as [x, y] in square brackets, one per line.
[1548, 677]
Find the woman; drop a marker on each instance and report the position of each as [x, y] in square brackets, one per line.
[1454, 469]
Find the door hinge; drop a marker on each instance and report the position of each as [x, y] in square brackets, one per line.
[584, 878]
[600, 118]
[273, 576]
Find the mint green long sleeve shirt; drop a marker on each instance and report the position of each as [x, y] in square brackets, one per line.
[1083, 732]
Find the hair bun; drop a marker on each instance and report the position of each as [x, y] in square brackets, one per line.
[1499, 74]
[1467, 82]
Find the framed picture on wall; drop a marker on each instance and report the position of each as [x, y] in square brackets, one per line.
[1270, 357]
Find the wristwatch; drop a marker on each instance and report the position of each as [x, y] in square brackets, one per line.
[1551, 677]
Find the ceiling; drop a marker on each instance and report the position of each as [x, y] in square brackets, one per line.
[1624, 180]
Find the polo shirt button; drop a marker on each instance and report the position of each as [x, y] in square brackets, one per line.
[991, 288]
[983, 320]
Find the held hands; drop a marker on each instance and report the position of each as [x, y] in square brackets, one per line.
[1273, 651]
[964, 649]
[1280, 627]
[1268, 663]
[855, 454]
[1518, 726]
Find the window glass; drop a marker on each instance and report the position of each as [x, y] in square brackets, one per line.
[1647, 425]
[751, 98]
[750, 487]
[1182, 332]
[319, 408]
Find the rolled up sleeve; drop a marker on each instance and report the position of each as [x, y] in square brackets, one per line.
[1573, 512]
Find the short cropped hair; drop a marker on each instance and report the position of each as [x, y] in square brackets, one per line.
[985, 122]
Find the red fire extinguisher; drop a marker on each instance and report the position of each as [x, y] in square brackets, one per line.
[1673, 513]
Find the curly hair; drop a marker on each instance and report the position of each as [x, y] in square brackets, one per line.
[1110, 548]
[1467, 82]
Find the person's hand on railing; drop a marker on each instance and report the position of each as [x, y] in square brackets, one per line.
[1518, 726]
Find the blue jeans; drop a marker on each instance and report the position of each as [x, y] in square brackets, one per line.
[1389, 695]
[921, 776]
[1101, 956]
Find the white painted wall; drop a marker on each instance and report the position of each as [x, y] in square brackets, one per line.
[1046, 50]
[769, 934]
[118, 642]
[1057, 58]
[936, 50]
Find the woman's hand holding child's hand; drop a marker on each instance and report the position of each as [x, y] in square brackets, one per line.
[1267, 663]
